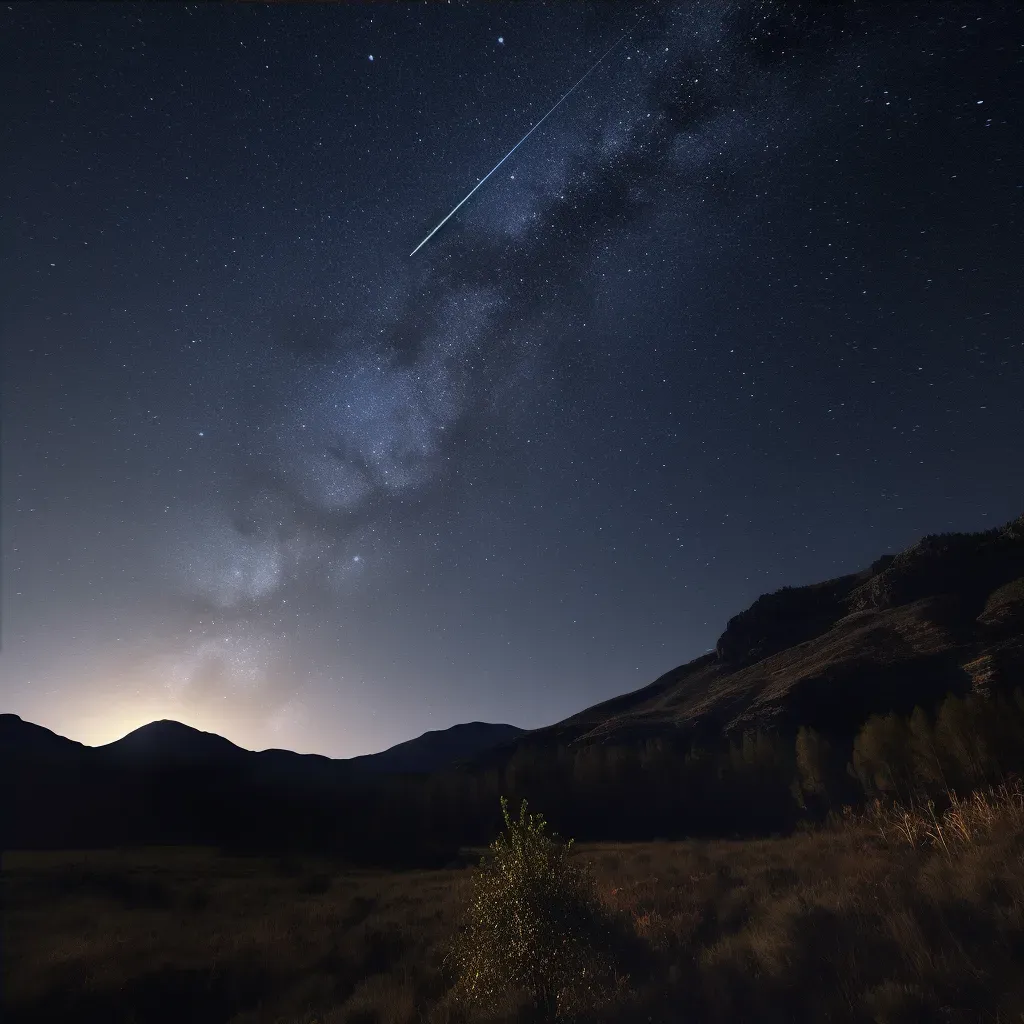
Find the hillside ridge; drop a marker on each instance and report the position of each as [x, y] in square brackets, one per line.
[944, 615]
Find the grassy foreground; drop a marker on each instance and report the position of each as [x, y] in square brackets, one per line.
[850, 924]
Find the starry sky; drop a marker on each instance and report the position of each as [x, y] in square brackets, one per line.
[744, 312]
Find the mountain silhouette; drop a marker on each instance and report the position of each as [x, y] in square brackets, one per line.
[439, 747]
[168, 783]
[945, 616]
[169, 742]
[168, 739]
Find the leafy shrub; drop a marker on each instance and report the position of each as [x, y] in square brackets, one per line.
[535, 925]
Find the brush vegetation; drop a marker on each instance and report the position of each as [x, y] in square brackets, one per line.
[535, 925]
[893, 913]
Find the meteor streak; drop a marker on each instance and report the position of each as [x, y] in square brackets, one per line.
[525, 137]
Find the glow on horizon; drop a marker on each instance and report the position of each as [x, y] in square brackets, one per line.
[114, 696]
[112, 724]
[103, 718]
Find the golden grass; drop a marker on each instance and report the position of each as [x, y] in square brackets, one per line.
[845, 924]
[965, 822]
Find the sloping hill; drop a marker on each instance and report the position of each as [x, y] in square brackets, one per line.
[438, 748]
[29, 740]
[945, 615]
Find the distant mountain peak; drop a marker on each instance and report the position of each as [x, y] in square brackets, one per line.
[439, 748]
[167, 726]
[168, 738]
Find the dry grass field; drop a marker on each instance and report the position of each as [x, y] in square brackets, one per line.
[847, 924]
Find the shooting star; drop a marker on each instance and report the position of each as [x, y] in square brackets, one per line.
[526, 136]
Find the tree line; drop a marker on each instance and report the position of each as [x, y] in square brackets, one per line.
[757, 783]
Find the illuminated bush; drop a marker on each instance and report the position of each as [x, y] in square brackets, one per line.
[535, 925]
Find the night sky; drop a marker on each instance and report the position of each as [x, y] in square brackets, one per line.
[744, 312]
